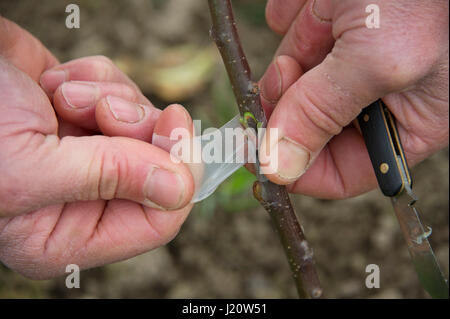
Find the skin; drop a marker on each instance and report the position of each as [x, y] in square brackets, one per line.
[73, 186]
[329, 66]
[81, 185]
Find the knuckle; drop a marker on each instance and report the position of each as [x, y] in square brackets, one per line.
[102, 66]
[110, 170]
[404, 62]
[396, 72]
[328, 119]
[103, 59]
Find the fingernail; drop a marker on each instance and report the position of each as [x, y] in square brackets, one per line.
[80, 95]
[323, 10]
[292, 159]
[163, 189]
[50, 80]
[271, 85]
[125, 111]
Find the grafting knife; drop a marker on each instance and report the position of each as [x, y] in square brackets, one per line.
[391, 169]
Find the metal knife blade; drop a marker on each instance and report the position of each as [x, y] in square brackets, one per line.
[422, 256]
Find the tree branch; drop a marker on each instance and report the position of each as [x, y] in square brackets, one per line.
[274, 198]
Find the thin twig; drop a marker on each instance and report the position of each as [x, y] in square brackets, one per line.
[274, 198]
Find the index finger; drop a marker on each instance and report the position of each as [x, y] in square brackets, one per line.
[93, 68]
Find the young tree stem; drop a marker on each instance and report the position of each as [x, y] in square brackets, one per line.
[274, 198]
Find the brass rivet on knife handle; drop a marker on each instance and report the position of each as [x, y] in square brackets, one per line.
[384, 168]
[366, 117]
[384, 147]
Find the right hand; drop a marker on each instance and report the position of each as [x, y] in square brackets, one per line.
[348, 66]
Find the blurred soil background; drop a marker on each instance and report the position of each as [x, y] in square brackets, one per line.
[227, 248]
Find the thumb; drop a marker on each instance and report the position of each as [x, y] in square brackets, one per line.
[311, 112]
[95, 167]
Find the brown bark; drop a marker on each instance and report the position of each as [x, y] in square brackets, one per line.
[274, 198]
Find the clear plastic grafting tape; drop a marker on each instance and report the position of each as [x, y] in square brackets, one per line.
[213, 156]
[233, 151]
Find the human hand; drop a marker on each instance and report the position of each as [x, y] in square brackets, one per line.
[69, 195]
[348, 66]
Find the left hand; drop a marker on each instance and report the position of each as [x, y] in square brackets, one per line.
[69, 195]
